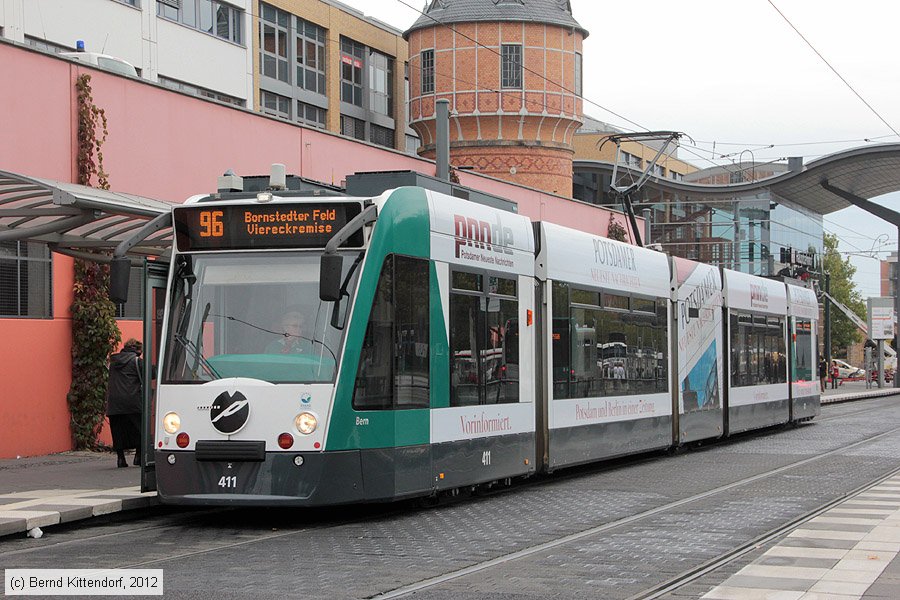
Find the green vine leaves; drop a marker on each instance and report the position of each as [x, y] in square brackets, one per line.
[90, 119]
[616, 232]
[95, 334]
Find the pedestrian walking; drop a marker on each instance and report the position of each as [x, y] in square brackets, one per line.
[124, 399]
[823, 373]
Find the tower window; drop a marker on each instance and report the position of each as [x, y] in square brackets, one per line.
[578, 76]
[511, 66]
[427, 71]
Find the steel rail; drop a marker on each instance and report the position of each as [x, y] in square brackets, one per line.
[568, 539]
[724, 559]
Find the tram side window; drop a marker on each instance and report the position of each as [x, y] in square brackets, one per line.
[803, 358]
[562, 366]
[393, 370]
[607, 344]
[758, 354]
[484, 340]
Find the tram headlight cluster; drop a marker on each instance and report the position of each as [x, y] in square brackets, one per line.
[306, 422]
[171, 422]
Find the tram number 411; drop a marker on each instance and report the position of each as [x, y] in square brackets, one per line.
[486, 458]
[228, 481]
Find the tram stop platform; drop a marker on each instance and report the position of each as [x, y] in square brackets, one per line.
[42, 491]
[851, 551]
[846, 553]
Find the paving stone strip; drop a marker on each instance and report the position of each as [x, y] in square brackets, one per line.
[840, 553]
[23, 511]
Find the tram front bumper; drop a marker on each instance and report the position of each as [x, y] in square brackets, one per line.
[321, 478]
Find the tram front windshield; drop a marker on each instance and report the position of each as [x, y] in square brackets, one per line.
[257, 316]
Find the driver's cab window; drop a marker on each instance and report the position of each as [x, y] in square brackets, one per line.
[253, 316]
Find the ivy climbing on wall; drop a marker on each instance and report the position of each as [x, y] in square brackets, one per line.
[615, 231]
[95, 334]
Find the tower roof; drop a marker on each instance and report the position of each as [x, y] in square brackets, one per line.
[448, 12]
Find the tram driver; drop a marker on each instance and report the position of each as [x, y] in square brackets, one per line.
[290, 331]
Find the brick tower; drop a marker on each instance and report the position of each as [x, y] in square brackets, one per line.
[511, 70]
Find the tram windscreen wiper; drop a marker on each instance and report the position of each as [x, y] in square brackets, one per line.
[199, 359]
[198, 344]
[281, 333]
[336, 320]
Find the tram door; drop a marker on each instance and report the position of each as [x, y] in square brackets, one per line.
[155, 278]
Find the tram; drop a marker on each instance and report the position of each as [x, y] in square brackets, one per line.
[321, 350]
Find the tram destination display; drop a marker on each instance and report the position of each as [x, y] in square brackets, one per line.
[263, 227]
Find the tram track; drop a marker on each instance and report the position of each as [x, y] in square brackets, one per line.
[325, 521]
[822, 419]
[691, 575]
[683, 578]
[180, 520]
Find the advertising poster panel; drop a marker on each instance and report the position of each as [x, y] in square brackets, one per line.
[881, 318]
[699, 326]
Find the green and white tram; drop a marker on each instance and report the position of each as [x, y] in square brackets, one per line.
[321, 350]
[413, 375]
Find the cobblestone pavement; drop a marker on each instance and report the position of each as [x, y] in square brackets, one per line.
[257, 553]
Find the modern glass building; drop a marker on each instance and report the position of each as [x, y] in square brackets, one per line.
[740, 226]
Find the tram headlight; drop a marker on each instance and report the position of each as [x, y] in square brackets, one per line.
[171, 422]
[306, 423]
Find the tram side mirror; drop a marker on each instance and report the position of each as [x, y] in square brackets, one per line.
[330, 269]
[119, 272]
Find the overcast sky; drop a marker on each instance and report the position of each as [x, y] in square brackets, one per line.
[736, 73]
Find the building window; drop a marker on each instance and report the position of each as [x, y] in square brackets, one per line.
[311, 115]
[630, 160]
[675, 176]
[275, 104]
[578, 76]
[511, 66]
[352, 54]
[273, 43]
[412, 144]
[196, 90]
[209, 16]
[381, 83]
[355, 128]
[133, 308]
[427, 71]
[135, 3]
[381, 135]
[310, 57]
[25, 283]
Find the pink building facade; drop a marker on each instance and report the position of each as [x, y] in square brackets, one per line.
[167, 146]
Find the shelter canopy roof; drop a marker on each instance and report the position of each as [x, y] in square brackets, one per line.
[74, 218]
[865, 172]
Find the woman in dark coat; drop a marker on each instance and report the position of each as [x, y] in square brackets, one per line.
[125, 400]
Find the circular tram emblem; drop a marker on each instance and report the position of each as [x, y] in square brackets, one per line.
[229, 412]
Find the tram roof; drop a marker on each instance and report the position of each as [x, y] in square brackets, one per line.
[865, 172]
[75, 218]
